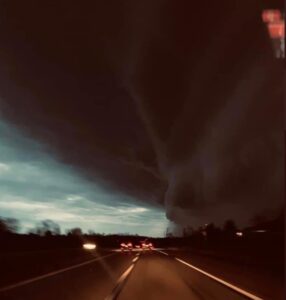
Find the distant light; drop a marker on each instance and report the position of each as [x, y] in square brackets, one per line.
[277, 30]
[239, 233]
[260, 230]
[271, 15]
[89, 246]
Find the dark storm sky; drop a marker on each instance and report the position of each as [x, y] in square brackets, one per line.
[176, 106]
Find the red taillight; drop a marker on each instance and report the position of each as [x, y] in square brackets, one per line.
[271, 15]
[277, 30]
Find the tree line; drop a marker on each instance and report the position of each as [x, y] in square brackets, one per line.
[42, 228]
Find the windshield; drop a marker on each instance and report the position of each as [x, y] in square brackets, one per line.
[141, 149]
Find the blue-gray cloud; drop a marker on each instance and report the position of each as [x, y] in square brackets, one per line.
[34, 187]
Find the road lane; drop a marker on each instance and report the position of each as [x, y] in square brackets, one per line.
[120, 283]
[266, 284]
[221, 281]
[50, 274]
[92, 281]
[127, 276]
[16, 267]
[157, 276]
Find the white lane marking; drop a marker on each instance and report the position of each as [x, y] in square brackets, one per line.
[231, 286]
[24, 282]
[119, 285]
[135, 259]
[162, 252]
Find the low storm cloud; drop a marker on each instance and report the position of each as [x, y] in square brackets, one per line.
[161, 110]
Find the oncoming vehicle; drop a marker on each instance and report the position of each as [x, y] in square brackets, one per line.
[126, 247]
[88, 246]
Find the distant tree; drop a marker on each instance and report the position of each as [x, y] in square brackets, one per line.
[169, 235]
[32, 231]
[212, 232]
[13, 225]
[258, 219]
[275, 223]
[202, 230]
[9, 225]
[48, 228]
[3, 227]
[91, 232]
[187, 231]
[229, 228]
[75, 231]
[210, 229]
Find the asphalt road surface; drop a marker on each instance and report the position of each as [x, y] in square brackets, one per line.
[135, 275]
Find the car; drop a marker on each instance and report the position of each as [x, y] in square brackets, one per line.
[147, 245]
[126, 246]
[88, 246]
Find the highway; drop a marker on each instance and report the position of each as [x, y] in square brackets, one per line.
[129, 275]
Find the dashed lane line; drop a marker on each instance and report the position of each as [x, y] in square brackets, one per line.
[162, 252]
[121, 281]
